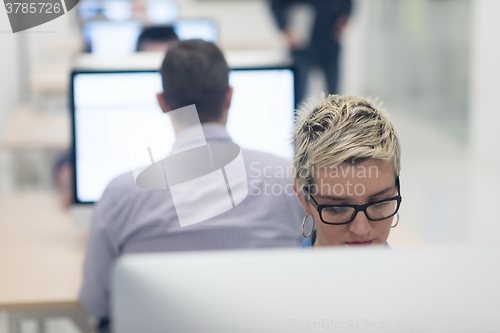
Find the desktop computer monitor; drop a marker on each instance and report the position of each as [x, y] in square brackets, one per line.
[107, 106]
[114, 39]
[113, 10]
[322, 290]
[197, 29]
[111, 39]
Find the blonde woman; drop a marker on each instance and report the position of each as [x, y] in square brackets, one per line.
[346, 173]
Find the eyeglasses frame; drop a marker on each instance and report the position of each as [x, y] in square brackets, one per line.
[357, 208]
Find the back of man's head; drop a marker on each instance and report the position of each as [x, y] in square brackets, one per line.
[156, 38]
[195, 72]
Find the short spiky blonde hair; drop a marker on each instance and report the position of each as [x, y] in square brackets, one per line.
[341, 129]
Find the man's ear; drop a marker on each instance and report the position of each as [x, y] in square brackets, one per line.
[227, 104]
[304, 203]
[228, 98]
[160, 97]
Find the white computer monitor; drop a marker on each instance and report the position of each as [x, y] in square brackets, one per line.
[115, 39]
[111, 39]
[197, 29]
[107, 106]
[112, 10]
[321, 290]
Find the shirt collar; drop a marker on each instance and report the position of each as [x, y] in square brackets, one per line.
[215, 132]
[192, 137]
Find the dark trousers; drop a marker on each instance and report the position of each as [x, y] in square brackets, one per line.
[104, 325]
[323, 55]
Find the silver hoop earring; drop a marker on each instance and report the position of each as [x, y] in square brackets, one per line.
[394, 226]
[303, 224]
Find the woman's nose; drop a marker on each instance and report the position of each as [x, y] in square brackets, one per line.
[360, 225]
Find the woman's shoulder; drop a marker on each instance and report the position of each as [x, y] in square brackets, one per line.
[308, 242]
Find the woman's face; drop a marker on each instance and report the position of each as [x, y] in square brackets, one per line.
[352, 184]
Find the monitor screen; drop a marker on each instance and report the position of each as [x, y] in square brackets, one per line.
[162, 11]
[197, 29]
[113, 10]
[112, 39]
[119, 38]
[107, 106]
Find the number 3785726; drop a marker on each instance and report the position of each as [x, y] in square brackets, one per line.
[32, 7]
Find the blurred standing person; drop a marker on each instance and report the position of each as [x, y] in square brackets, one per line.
[312, 29]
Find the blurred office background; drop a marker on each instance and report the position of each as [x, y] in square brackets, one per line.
[426, 60]
[432, 63]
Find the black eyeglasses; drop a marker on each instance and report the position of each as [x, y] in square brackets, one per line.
[344, 214]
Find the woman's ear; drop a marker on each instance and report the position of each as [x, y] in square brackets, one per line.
[305, 204]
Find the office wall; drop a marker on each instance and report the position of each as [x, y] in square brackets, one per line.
[8, 92]
[8, 68]
[243, 24]
[417, 58]
[484, 122]
[485, 81]
[353, 54]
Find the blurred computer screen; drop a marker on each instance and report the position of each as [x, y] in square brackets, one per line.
[111, 39]
[105, 38]
[197, 29]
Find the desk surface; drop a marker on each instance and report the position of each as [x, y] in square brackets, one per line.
[41, 253]
[28, 129]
